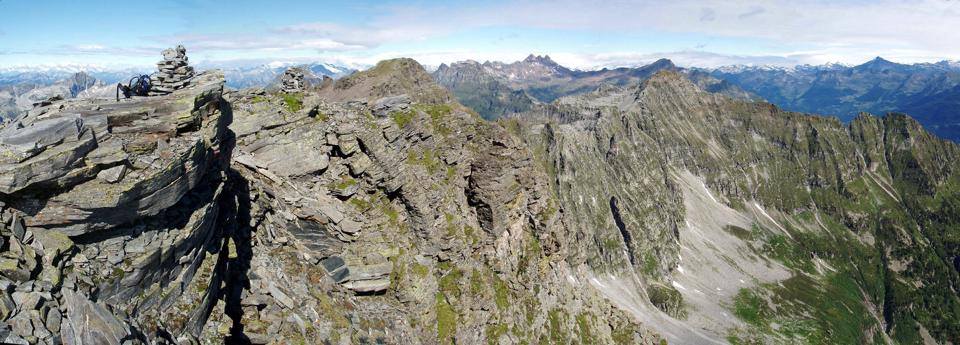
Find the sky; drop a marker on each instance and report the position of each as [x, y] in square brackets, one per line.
[578, 34]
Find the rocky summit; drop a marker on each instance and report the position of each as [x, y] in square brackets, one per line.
[378, 209]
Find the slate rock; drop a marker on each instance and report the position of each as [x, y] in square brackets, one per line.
[332, 263]
[114, 174]
[383, 107]
[91, 323]
[18, 229]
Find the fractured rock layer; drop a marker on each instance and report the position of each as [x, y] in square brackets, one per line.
[108, 217]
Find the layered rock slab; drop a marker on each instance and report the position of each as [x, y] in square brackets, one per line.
[111, 208]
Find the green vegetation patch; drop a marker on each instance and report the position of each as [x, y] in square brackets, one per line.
[583, 328]
[450, 282]
[293, 101]
[439, 117]
[501, 294]
[427, 159]
[446, 320]
[494, 332]
[752, 309]
[556, 322]
[419, 270]
[402, 118]
[667, 299]
[823, 303]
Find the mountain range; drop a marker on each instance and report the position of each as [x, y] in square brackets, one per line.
[244, 76]
[628, 206]
[929, 92]
[495, 89]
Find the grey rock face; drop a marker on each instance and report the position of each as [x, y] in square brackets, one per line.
[87, 322]
[108, 212]
[387, 105]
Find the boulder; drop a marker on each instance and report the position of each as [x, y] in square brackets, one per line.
[383, 107]
[90, 323]
[113, 175]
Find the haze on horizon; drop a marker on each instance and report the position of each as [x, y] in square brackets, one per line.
[578, 34]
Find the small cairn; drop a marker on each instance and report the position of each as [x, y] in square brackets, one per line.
[292, 80]
[173, 72]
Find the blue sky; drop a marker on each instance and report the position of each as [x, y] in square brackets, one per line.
[580, 34]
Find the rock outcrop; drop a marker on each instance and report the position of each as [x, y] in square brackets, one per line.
[365, 213]
[108, 217]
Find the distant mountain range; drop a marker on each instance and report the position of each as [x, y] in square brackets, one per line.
[929, 92]
[245, 76]
[18, 97]
[21, 87]
[496, 89]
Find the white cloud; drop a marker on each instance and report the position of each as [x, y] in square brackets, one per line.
[843, 31]
[790, 32]
[794, 32]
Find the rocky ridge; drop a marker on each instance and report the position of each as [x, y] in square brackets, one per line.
[152, 221]
[715, 207]
[375, 209]
[398, 206]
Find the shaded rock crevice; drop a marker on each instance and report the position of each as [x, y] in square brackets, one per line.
[624, 233]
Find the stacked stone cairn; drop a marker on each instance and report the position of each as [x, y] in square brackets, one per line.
[292, 80]
[173, 74]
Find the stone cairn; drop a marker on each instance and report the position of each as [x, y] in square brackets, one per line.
[292, 80]
[173, 72]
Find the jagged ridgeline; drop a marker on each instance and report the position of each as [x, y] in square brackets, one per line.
[370, 210]
[376, 209]
[747, 224]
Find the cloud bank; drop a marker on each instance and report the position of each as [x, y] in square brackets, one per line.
[774, 32]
